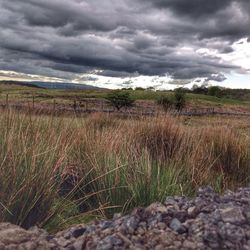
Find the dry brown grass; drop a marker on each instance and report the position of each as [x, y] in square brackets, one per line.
[116, 163]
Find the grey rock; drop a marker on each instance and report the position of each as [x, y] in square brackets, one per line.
[208, 221]
[192, 211]
[156, 208]
[78, 245]
[109, 243]
[232, 215]
[78, 232]
[62, 242]
[131, 224]
[11, 234]
[177, 226]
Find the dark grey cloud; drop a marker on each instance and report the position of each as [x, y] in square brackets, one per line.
[193, 8]
[119, 74]
[227, 50]
[121, 38]
[216, 77]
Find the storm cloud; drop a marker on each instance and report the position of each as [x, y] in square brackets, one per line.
[182, 39]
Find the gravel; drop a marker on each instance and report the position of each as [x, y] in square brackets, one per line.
[208, 221]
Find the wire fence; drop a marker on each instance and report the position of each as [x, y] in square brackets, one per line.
[55, 105]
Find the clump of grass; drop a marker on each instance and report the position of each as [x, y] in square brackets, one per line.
[109, 165]
[31, 153]
[162, 137]
[229, 154]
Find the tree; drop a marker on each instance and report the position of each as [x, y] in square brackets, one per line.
[139, 89]
[215, 91]
[179, 99]
[151, 88]
[120, 99]
[127, 88]
[199, 89]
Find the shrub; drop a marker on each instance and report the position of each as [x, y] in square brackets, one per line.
[166, 102]
[199, 89]
[139, 89]
[120, 99]
[215, 91]
[179, 99]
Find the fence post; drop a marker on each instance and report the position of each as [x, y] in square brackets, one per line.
[102, 103]
[74, 105]
[7, 100]
[86, 105]
[54, 106]
[33, 101]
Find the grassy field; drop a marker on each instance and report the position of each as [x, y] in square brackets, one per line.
[59, 171]
[23, 94]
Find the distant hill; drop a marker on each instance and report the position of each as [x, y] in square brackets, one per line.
[19, 83]
[51, 85]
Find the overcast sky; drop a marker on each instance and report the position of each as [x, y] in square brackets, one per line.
[123, 43]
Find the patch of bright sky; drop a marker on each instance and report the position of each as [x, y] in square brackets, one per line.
[128, 82]
[241, 54]
[239, 57]
[235, 81]
[16, 76]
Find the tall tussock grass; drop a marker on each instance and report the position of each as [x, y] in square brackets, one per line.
[60, 171]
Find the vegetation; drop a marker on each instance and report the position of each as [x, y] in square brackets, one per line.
[215, 91]
[55, 171]
[120, 99]
[166, 102]
[177, 100]
[59, 171]
[198, 96]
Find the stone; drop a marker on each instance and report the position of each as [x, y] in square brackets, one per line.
[192, 211]
[248, 234]
[131, 224]
[11, 234]
[208, 221]
[109, 243]
[117, 216]
[78, 232]
[161, 225]
[232, 215]
[156, 208]
[189, 245]
[78, 245]
[176, 226]
[63, 242]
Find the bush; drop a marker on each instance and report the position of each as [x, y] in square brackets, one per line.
[179, 99]
[166, 102]
[215, 91]
[120, 99]
[139, 89]
[199, 90]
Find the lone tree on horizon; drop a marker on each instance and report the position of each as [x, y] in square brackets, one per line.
[120, 99]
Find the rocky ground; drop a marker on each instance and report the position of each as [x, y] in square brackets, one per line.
[208, 221]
